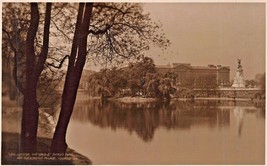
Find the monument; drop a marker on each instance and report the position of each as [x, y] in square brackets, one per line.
[239, 81]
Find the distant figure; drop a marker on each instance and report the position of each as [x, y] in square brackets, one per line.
[239, 63]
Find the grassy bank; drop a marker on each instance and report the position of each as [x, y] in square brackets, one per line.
[11, 120]
[10, 155]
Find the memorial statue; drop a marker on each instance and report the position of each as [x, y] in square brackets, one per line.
[239, 81]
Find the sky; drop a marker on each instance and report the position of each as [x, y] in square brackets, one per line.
[212, 33]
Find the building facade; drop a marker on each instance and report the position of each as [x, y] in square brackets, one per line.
[188, 75]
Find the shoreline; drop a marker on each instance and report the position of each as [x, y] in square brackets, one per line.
[133, 99]
[11, 119]
[220, 98]
[11, 155]
[143, 99]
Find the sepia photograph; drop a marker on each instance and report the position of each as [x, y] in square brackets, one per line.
[133, 83]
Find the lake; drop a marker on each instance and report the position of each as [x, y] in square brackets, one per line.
[176, 132]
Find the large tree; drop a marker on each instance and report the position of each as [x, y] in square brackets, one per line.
[116, 81]
[75, 66]
[34, 67]
[117, 32]
[30, 58]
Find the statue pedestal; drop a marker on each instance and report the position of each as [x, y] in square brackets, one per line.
[239, 83]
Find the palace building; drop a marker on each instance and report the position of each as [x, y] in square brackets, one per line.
[186, 74]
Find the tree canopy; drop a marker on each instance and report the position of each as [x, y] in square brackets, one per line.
[39, 37]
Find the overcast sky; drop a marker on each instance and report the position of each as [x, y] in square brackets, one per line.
[212, 33]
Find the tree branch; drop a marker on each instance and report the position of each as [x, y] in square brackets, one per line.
[15, 76]
[100, 31]
[61, 31]
[43, 55]
[107, 28]
[15, 67]
[103, 5]
[10, 42]
[60, 64]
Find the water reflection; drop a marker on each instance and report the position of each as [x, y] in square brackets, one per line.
[239, 114]
[145, 118]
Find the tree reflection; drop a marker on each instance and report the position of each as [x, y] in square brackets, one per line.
[145, 118]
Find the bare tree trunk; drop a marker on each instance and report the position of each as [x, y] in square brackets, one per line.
[30, 106]
[29, 123]
[74, 72]
[34, 68]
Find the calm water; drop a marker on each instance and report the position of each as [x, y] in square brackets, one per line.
[200, 132]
